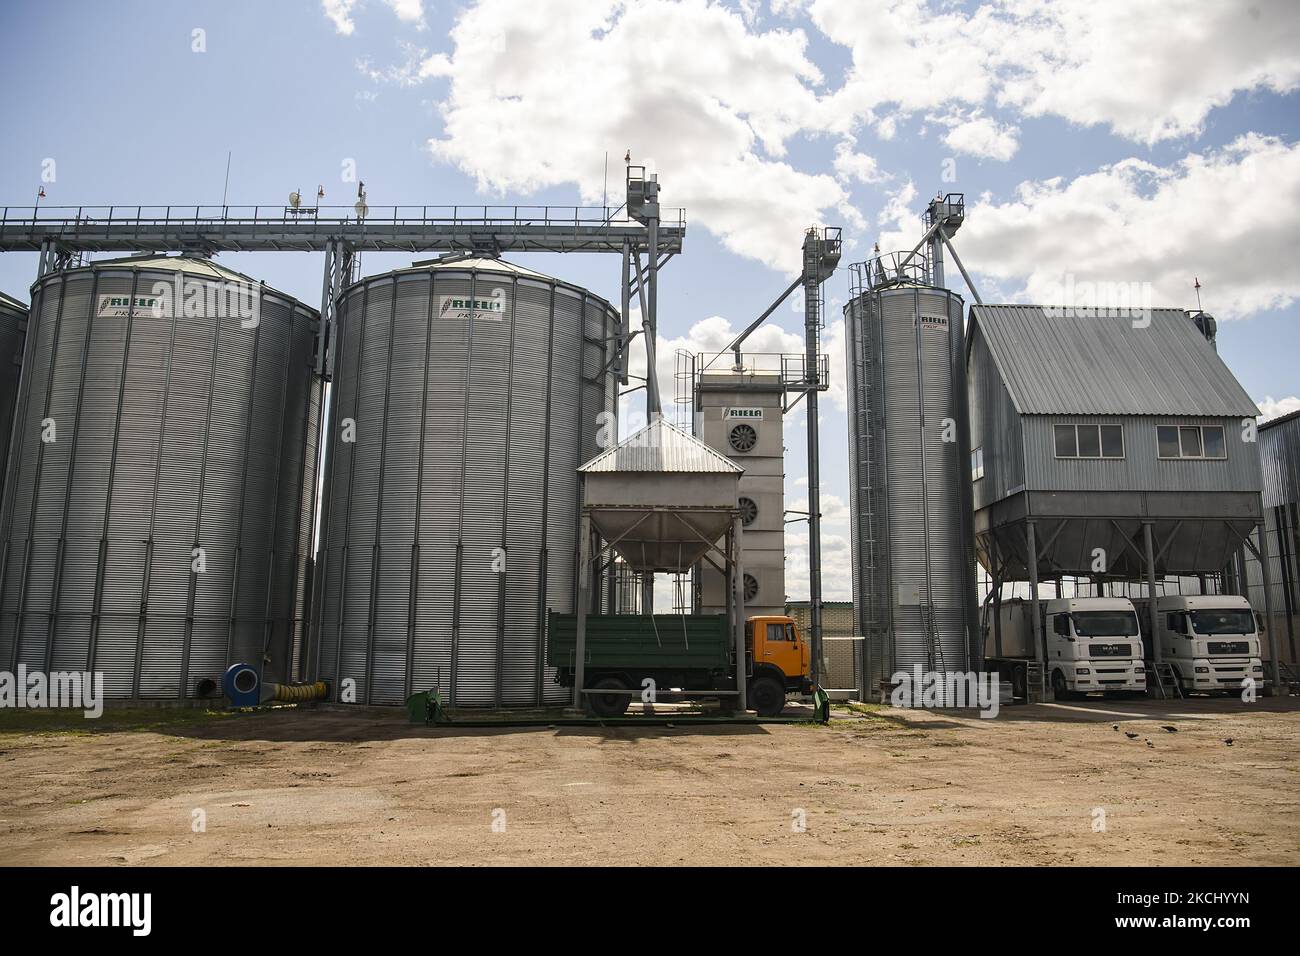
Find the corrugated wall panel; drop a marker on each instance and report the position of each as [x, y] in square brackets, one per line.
[913, 555]
[468, 457]
[174, 433]
[1140, 469]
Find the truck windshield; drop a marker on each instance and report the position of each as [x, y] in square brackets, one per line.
[1105, 623]
[1235, 621]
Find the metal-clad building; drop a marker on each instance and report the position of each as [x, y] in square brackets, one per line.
[13, 329]
[913, 566]
[1279, 448]
[156, 523]
[467, 393]
[1093, 425]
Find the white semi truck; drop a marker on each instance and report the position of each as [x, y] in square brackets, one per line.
[1210, 640]
[1090, 645]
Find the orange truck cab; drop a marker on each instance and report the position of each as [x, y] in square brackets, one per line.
[779, 661]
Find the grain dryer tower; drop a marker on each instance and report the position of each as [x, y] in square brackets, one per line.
[913, 559]
[467, 393]
[157, 514]
[741, 415]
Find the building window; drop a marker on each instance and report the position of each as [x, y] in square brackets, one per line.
[1089, 441]
[1202, 442]
[977, 464]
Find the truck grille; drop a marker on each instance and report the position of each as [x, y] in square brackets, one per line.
[1110, 650]
[1229, 647]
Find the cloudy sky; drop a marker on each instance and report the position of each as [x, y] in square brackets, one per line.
[1098, 142]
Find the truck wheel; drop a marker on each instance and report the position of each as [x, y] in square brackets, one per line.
[1058, 687]
[767, 696]
[609, 705]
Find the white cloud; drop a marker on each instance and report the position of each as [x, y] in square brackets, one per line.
[412, 70]
[984, 137]
[695, 94]
[1271, 408]
[1225, 217]
[339, 13]
[1149, 71]
[710, 100]
[851, 165]
[408, 11]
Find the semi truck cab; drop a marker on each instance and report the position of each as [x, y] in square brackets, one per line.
[1094, 644]
[1210, 640]
[1089, 644]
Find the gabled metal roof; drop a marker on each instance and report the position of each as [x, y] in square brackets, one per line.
[1099, 362]
[661, 447]
[10, 302]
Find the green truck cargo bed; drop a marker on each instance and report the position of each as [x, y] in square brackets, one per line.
[642, 642]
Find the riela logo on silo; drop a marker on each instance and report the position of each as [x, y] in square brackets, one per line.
[476, 309]
[119, 306]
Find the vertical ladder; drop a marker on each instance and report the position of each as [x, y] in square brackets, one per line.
[864, 438]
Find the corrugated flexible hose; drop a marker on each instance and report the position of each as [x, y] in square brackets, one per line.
[299, 693]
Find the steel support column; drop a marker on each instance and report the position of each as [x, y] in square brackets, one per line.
[1266, 576]
[1036, 624]
[1152, 614]
[738, 603]
[580, 609]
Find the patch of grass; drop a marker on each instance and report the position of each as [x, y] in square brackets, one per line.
[854, 707]
[74, 723]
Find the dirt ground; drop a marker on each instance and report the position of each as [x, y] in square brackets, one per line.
[1033, 786]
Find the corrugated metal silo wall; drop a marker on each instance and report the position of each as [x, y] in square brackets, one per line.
[170, 433]
[13, 321]
[468, 437]
[911, 487]
[1279, 448]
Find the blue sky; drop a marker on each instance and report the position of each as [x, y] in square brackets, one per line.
[1093, 140]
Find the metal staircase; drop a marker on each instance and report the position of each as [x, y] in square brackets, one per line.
[1165, 680]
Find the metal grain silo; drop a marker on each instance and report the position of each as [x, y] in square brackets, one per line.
[466, 394]
[13, 328]
[913, 558]
[167, 405]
